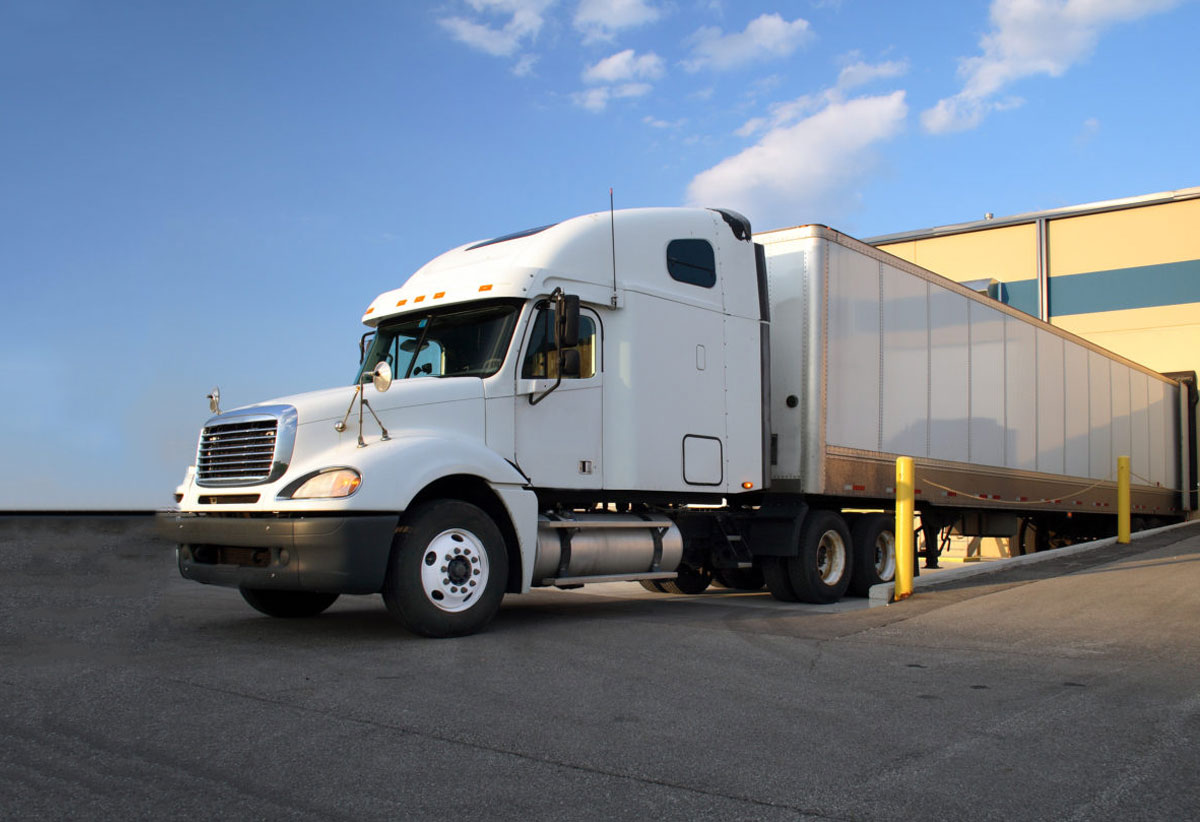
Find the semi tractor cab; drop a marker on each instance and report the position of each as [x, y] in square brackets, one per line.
[599, 400]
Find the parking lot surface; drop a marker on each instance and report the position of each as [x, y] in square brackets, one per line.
[1069, 689]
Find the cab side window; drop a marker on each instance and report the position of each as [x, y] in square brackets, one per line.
[692, 262]
[540, 362]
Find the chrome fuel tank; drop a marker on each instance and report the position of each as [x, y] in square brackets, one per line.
[602, 545]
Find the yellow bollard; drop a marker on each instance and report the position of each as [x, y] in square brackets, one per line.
[904, 527]
[1123, 500]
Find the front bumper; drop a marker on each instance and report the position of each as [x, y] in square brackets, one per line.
[336, 554]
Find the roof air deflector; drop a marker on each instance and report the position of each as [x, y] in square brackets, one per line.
[516, 235]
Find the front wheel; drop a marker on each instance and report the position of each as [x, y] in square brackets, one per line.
[447, 571]
[287, 604]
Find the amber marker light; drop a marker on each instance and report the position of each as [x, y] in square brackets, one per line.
[420, 299]
[485, 288]
[401, 302]
[369, 310]
[439, 295]
[747, 485]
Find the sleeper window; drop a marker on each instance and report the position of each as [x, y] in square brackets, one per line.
[692, 262]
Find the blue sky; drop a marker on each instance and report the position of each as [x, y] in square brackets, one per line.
[211, 193]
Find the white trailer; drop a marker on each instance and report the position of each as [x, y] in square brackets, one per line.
[654, 395]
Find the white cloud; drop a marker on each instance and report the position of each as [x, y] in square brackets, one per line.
[593, 99]
[596, 99]
[625, 65]
[1088, 131]
[1028, 38]
[860, 73]
[623, 74]
[632, 90]
[654, 122]
[524, 66]
[787, 112]
[600, 19]
[525, 20]
[804, 170]
[766, 37]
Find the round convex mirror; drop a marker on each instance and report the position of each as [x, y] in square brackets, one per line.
[382, 377]
[214, 400]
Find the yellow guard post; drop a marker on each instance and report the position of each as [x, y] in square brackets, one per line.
[904, 528]
[1123, 500]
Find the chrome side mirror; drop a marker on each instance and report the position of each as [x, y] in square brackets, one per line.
[214, 400]
[381, 377]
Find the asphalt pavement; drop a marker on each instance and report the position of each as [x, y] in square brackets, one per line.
[1066, 689]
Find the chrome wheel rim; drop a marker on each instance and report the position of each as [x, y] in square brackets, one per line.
[831, 557]
[454, 570]
[885, 555]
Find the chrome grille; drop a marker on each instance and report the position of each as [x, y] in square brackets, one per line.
[238, 452]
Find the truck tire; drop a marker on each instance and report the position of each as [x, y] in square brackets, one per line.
[287, 604]
[652, 585]
[821, 572]
[447, 570]
[739, 579]
[778, 579]
[690, 580]
[874, 539]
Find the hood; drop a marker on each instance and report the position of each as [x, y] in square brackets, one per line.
[330, 404]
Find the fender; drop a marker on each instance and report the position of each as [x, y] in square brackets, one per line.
[395, 472]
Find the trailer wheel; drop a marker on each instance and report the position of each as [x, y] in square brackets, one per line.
[778, 579]
[739, 579]
[821, 572]
[652, 585]
[874, 539]
[690, 580]
[447, 570]
[287, 604]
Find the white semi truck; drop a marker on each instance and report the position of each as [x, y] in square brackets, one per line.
[655, 395]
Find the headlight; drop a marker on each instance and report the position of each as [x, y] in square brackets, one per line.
[328, 484]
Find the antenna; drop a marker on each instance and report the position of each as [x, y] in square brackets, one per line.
[612, 227]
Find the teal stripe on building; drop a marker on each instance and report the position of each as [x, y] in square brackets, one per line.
[1145, 286]
[1141, 287]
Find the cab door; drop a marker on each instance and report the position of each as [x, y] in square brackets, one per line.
[559, 440]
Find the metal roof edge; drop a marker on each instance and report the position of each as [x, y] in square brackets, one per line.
[1033, 216]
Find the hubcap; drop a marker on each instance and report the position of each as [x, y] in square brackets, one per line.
[831, 557]
[885, 555]
[454, 570]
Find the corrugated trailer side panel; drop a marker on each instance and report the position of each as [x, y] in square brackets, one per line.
[796, 288]
[990, 402]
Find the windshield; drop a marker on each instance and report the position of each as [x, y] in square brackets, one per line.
[454, 342]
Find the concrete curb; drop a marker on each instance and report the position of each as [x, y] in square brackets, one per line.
[883, 593]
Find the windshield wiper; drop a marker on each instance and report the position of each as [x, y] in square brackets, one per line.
[418, 346]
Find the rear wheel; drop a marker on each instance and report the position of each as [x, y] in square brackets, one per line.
[287, 604]
[821, 572]
[874, 539]
[447, 571]
[778, 579]
[740, 579]
[689, 580]
[652, 585]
